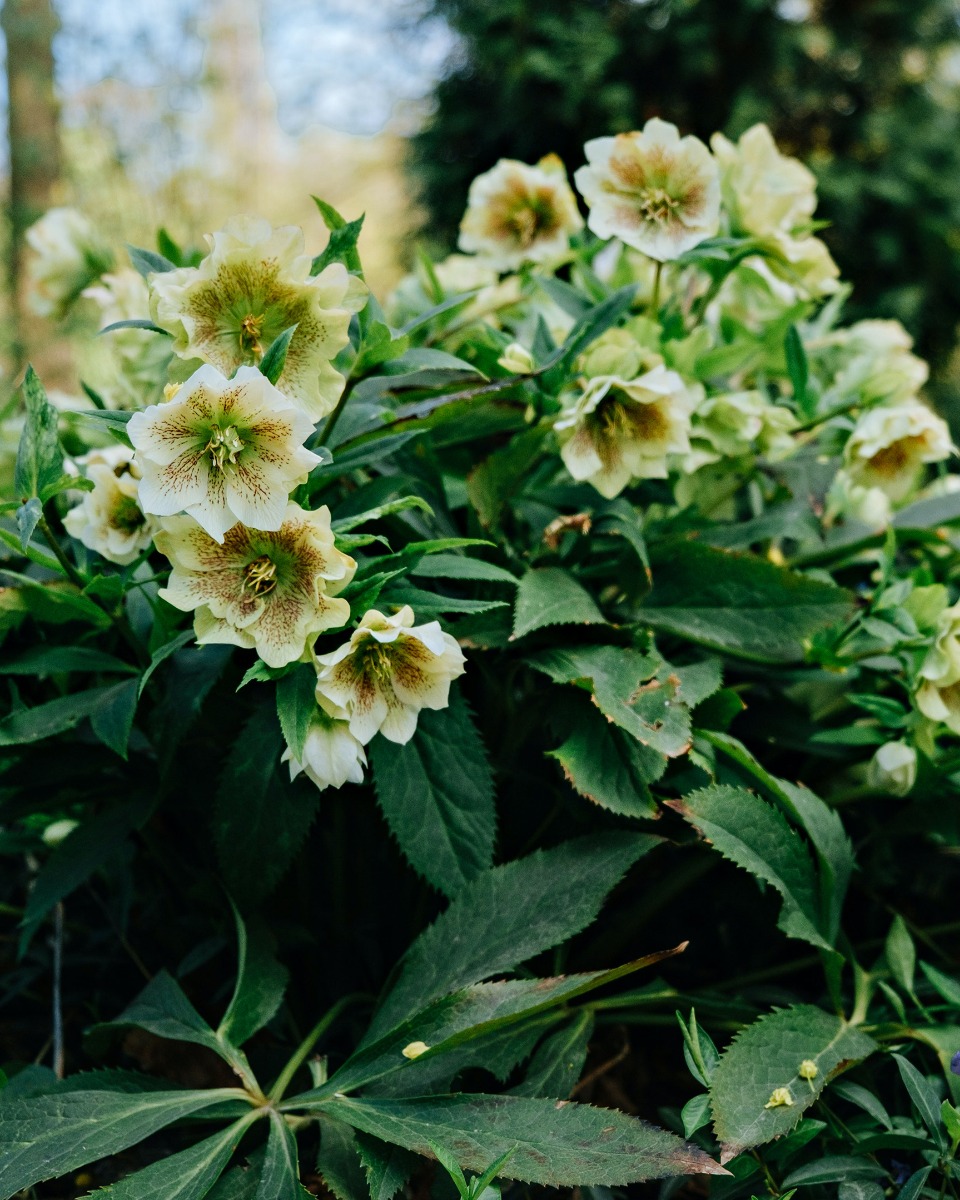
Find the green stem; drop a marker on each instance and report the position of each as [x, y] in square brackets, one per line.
[303, 1051]
[655, 298]
[72, 573]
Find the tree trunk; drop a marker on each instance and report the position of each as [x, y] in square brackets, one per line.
[34, 138]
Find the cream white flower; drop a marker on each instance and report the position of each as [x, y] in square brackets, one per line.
[68, 254]
[764, 192]
[872, 361]
[653, 190]
[520, 214]
[618, 430]
[939, 694]
[619, 352]
[109, 518]
[129, 367]
[806, 264]
[893, 768]
[254, 284]
[272, 591]
[223, 451]
[387, 672]
[516, 359]
[332, 756]
[736, 424]
[853, 501]
[891, 444]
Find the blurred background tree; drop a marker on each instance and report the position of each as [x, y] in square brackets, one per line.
[867, 92]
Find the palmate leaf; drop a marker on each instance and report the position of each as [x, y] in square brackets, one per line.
[436, 793]
[47, 1136]
[738, 603]
[339, 1161]
[766, 1056]
[388, 1167]
[754, 835]
[549, 1142]
[188, 1175]
[505, 916]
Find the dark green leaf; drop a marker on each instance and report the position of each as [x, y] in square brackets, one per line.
[558, 1063]
[738, 603]
[280, 1174]
[458, 566]
[260, 985]
[834, 1168]
[164, 652]
[388, 1167]
[342, 247]
[56, 716]
[188, 1175]
[112, 719]
[507, 915]
[339, 1161]
[558, 1145]
[924, 1096]
[754, 835]
[57, 660]
[436, 793]
[28, 518]
[551, 596]
[296, 705]
[136, 323]
[765, 1057]
[799, 372]
[48, 1136]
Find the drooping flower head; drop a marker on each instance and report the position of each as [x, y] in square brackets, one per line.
[735, 424]
[890, 445]
[893, 768]
[332, 756]
[388, 671]
[272, 591]
[653, 190]
[109, 519]
[618, 430]
[222, 450]
[68, 254]
[254, 284]
[520, 214]
[764, 192]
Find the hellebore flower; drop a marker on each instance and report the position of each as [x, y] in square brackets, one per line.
[654, 190]
[268, 590]
[388, 671]
[109, 519]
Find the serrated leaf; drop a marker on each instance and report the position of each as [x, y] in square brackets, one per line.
[628, 689]
[296, 705]
[766, 1056]
[754, 835]
[279, 1174]
[507, 915]
[339, 1160]
[274, 360]
[834, 1168]
[47, 1136]
[188, 1175]
[162, 1009]
[551, 596]
[39, 467]
[608, 767]
[738, 603]
[458, 566]
[548, 1142]
[388, 1167]
[260, 985]
[28, 725]
[28, 518]
[436, 793]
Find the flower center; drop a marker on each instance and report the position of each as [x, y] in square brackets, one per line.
[657, 204]
[260, 576]
[251, 328]
[126, 515]
[893, 459]
[224, 445]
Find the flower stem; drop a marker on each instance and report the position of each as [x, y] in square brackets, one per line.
[72, 573]
[306, 1046]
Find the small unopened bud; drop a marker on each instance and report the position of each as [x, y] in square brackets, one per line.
[415, 1049]
[516, 358]
[170, 390]
[58, 831]
[808, 1069]
[893, 768]
[780, 1098]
